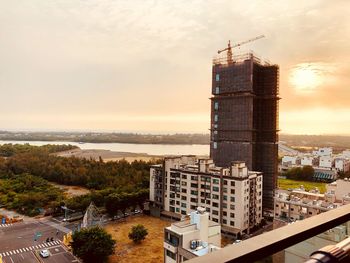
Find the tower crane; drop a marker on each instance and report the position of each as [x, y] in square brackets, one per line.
[229, 47]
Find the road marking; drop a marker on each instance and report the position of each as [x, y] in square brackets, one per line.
[17, 251]
[10, 252]
[11, 260]
[7, 254]
[20, 250]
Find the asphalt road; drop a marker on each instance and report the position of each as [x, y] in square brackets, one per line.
[19, 245]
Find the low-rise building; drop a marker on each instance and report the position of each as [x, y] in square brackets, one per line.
[191, 238]
[340, 187]
[231, 195]
[326, 161]
[288, 160]
[300, 204]
[325, 151]
[342, 164]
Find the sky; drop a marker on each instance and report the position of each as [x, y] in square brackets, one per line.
[145, 66]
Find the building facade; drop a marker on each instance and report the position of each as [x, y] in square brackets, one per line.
[244, 117]
[232, 195]
[191, 238]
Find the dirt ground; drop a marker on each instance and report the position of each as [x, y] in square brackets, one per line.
[149, 251]
[106, 155]
[71, 191]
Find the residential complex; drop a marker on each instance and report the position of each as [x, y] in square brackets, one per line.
[326, 164]
[244, 117]
[191, 237]
[300, 204]
[231, 195]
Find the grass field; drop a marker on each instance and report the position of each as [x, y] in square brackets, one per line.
[150, 249]
[286, 184]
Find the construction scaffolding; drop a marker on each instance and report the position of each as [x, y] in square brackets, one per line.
[244, 116]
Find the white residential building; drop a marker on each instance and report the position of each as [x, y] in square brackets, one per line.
[307, 160]
[191, 238]
[326, 161]
[232, 195]
[325, 151]
[342, 164]
[288, 160]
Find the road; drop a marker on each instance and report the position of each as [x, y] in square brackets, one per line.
[19, 245]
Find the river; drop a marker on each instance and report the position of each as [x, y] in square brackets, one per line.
[151, 149]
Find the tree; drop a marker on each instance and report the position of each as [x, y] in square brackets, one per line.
[138, 233]
[92, 244]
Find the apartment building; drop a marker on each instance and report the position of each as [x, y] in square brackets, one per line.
[301, 204]
[193, 237]
[231, 195]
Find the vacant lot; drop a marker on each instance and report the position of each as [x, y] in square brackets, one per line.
[287, 184]
[150, 250]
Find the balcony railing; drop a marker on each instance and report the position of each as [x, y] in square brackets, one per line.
[259, 247]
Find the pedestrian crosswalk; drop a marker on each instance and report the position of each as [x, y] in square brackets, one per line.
[31, 248]
[5, 225]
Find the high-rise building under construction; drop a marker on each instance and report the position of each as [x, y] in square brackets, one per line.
[244, 116]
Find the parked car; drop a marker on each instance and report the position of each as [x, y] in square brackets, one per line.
[44, 253]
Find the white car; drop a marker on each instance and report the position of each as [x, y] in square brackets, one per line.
[44, 253]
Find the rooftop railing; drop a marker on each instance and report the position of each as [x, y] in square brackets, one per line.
[269, 243]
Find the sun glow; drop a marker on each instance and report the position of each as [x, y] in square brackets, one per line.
[306, 77]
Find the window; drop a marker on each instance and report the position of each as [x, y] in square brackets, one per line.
[217, 77]
[194, 200]
[183, 183]
[216, 118]
[216, 105]
[232, 215]
[216, 220]
[224, 221]
[224, 213]
[194, 192]
[194, 178]
[170, 254]
[224, 205]
[225, 197]
[233, 191]
[183, 190]
[215, 188]
[184, 176]
[183, 205]
[193, 207]
[183, 212]
[194, 185]
[178, 202]
[215, 204]
[215, 145]
[217, 90]
[215, 212]
[177, 210]
[232, 223]
[216, 181]
[225, 182]
[215, 196]
[184, 198]
[232, 199]
[232, 183]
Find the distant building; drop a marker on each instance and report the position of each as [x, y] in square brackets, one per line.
[231, 195]
[308, 160]
[191, 238]
[326, 161]
[341, 188]
[325, 151]
[244, 117]
[290, 160]
[342, 164]
[300, 204]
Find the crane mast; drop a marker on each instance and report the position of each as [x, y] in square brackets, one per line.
[229, 48]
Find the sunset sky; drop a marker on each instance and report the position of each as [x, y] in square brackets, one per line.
[145, 66]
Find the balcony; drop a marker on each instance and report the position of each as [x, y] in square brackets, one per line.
[269, 243]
